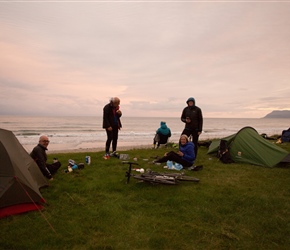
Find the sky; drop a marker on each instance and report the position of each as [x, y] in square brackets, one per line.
[68, 58]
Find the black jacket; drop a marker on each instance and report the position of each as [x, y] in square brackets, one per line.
[110, 118]
[39, 155]
[195, 115]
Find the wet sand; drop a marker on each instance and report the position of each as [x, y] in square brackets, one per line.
[91, 150]
[63, 148]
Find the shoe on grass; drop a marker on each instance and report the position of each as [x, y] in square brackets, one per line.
[196, 168]
[114, 154]
[106, 157]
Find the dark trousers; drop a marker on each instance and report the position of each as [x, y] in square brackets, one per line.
[194, 135]
[53, 167]
[163, 139]
[112, 136]
[172, 156]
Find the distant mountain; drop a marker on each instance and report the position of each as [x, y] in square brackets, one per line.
[278, 114]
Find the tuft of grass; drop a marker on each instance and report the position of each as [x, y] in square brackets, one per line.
[234, 206]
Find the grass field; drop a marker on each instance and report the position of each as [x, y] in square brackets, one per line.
[234, 206]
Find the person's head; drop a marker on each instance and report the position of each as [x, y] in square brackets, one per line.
[183, 139]
[115, 101]
[190, 101]
[162, 123]
[43, 140]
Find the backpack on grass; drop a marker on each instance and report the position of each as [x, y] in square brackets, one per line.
[223, 152]
[286, 135]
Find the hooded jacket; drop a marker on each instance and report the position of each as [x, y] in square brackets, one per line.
[110, 117]
[195, 115]
[188, 152]
[164, 130]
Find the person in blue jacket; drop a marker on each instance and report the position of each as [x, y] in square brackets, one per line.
[162, 135]
[185, 156]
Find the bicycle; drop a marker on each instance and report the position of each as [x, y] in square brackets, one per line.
[158, 178]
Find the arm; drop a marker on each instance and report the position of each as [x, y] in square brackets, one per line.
[106, 117]
[200, 121]
[183, 116]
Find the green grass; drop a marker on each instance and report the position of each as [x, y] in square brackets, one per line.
[234, 206]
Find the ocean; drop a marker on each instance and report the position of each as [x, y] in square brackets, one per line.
[86, 133]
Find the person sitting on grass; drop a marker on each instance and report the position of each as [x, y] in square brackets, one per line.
[162, 135]
[38, 154]
[185, 156]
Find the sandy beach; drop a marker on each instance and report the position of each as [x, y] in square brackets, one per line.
[91, 150]
[59, 149]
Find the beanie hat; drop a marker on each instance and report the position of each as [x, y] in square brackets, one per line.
[185, 136]
[190, 99]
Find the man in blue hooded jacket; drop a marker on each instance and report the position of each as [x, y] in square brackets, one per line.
[192, 117]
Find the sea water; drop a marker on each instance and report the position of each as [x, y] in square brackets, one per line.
[73, 133]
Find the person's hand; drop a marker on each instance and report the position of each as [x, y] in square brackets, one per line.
[180, 153]
[119, 112]
[109, 129]
[199, 133]
[187, 119]
[165, 154]
[51, 179]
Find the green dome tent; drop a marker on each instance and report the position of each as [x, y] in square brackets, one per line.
[20, 178]
[249, 147]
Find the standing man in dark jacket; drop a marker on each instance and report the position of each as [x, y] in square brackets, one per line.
[39, 155]
[192, 117]
[112, 124]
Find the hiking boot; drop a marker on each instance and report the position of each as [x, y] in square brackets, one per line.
[114, 154]
[156, 162]
[196, 168]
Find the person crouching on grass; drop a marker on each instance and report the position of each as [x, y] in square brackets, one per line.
[185, 156]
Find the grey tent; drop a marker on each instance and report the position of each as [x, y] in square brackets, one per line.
[20, 178]
[249, 147]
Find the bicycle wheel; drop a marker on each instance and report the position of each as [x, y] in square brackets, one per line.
[187, 178]
[164, 181]
[155, 179]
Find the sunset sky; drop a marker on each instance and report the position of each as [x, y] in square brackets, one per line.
[70, 57]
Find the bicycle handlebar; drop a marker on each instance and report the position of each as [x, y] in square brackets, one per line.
[130, 162]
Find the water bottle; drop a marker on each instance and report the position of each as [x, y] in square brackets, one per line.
[88, 160]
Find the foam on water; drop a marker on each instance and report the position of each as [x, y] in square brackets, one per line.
[86, 132]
